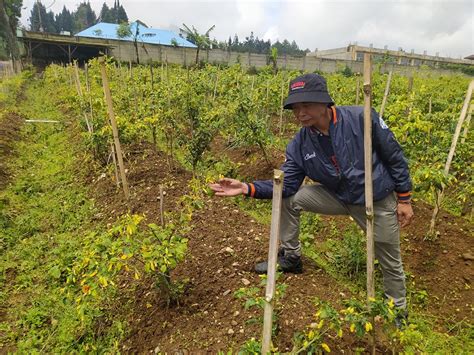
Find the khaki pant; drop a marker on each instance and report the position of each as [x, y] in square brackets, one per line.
[317, 199]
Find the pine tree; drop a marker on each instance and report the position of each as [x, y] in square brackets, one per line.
[68, 21]
[50, 23]
[10, 12]
[38, 17]
[105, 14]
[84, 17]
[64, 21]
[121, 14]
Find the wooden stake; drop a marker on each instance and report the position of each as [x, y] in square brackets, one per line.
[439, 193]
[368, 174]
[357, 90]
[369, 199]
[429, 106]
[162, 212]
[278, 177]
[110, 109]
[385, 95]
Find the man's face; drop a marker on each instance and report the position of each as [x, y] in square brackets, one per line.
[310, 113]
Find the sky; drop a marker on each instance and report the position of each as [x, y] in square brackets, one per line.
[445, 27]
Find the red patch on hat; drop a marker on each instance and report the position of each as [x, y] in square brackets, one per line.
[297, 85]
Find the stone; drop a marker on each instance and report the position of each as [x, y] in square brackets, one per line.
[230, 331]
[229, 250]
[234, 323]
[245, 282]
[226, 292]
[468, 256]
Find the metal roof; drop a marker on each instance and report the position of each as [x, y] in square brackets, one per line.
[145, 34]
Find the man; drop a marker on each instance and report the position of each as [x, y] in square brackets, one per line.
[329, 149]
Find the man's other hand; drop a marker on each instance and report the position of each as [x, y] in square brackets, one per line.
[229, 187]
[405, 214]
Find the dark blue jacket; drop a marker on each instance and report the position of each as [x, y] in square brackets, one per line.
[304, 157]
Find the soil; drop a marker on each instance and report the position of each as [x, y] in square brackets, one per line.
[224, 245]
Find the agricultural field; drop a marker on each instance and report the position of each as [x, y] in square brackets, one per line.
[170, 269]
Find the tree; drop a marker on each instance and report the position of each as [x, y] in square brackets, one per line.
[64, 21]
[115, 14]
[50, 23]
[121, 14]
[10, 12]
[38, 17]
[202, 41]
[105, 14]
[84, 17]
[125, 30]
[40, 20]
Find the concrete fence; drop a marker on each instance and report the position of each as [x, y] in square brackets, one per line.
[125, 51]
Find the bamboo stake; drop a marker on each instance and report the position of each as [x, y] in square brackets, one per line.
[81, 96]
[88, 90]
[266, 97]
[429, 106]
[151, 75]
[278, 177]
[162, 213]
[215, 88]
[369, 199]
[468, 122]
[385, 95]
[410, 83]
[77, 80]
[114, 159]
[439, 193]
[281, 103]
[110, 109]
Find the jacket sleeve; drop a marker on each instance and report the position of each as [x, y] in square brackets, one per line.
[293, 178]
[391, 154]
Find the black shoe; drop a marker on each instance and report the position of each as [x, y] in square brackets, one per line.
[290, 263]
[401, 319]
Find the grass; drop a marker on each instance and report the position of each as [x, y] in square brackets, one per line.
[44, 214]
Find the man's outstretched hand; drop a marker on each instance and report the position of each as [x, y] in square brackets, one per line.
[229, 187]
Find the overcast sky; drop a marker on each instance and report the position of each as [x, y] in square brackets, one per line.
[433, 25]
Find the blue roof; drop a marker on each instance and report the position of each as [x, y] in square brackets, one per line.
[146, 35]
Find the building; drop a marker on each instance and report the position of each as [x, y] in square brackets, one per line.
[356, 53]
[146, 34]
